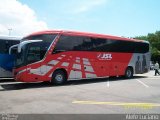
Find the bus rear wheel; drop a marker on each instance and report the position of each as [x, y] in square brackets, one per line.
[129, 73]
[58, 77]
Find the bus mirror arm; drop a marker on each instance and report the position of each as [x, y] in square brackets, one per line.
[26, 42]
[10, 49]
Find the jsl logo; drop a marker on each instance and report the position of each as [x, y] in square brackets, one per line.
[104, 56]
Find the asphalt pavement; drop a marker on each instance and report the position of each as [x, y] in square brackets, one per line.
[95, 96]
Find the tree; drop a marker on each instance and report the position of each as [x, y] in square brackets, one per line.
[154, 39]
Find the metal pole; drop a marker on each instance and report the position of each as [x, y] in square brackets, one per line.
[10, 29]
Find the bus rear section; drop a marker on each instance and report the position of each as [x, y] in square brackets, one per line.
[6, 60]
[60, 56]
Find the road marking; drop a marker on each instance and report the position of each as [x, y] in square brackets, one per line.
[118, 103]
[143, 83]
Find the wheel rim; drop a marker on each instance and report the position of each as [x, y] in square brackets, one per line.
[59, 77]
[129, 73]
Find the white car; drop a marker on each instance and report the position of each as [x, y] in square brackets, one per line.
[152, 66]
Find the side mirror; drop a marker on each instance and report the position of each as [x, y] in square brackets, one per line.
[26, 42]
[10, 49]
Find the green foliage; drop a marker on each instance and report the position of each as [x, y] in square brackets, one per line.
[141, 37]
[154, 39]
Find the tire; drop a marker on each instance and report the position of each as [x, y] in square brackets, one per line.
[58, 77]
[128, 73]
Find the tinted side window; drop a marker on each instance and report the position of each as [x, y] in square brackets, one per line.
[35, 52]
[69, 43]
[13, 42]
[85, 44]
[65, 43]
[47, 40]
[77, 43]
[121, 46]
[107, 45]
[97, 44]
[6, 44]
[10, 43]
[141, 47]
[3, 46]
[101, 45]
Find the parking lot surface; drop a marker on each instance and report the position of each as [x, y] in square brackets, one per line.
[95, 96]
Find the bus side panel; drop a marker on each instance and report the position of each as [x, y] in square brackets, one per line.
[6, 65]
[140, 63]
[90, 64]
[78, 65]
[119, 63]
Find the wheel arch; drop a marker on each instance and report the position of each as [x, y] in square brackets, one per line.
[62, 69]
[127, 73]
[131, 67]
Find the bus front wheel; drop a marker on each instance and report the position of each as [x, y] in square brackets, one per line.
[58, 77]
[129, 72]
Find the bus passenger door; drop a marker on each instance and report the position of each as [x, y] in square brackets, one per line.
[34, 56]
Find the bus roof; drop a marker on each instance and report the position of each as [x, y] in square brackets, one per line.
[76, 33]
[10, 38]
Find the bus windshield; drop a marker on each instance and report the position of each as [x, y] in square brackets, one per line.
[20, 57]
[33, 51]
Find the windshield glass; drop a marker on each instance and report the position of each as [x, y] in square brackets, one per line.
[20, 57]
[35, 51]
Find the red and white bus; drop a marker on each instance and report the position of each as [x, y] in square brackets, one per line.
[58, 56]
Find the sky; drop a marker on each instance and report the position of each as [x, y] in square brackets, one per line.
[127, 18]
